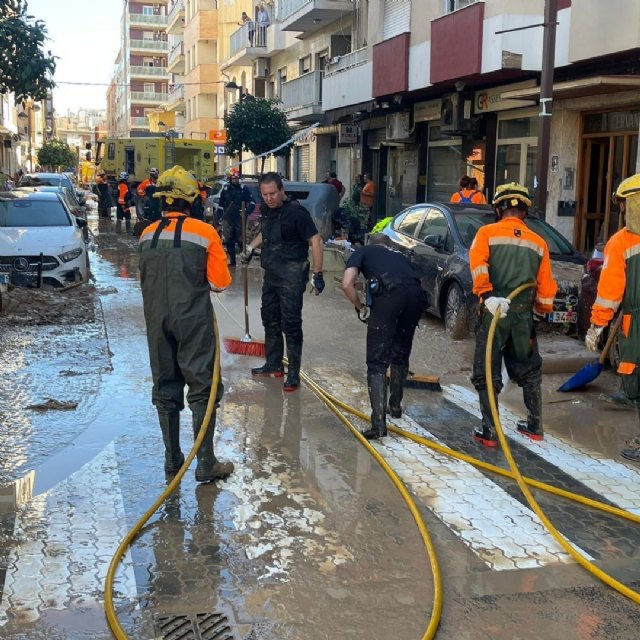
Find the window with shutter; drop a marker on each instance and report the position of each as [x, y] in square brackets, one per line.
[397, 18]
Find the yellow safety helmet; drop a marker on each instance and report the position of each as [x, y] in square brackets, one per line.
[628, 187]
[176, 184]
[511, 195]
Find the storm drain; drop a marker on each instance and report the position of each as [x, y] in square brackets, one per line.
[198, 626]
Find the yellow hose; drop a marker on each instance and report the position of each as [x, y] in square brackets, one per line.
[110, 611]
[589, 566]
[481, 464]
[436, 609]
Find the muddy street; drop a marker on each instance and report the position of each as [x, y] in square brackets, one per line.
[308, 538]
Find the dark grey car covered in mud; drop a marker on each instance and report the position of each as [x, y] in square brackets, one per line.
[437, 236]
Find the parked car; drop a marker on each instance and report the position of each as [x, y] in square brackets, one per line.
[40, 238]
[437, 236]
[52, 180]
[319, 198]
[65, 192]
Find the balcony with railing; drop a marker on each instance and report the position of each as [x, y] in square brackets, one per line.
[347, 80]
[161, 46]
[309, 16]
[175, 19]
[302, 97]
[143, 71]
[246, 43]
[175, 97]
[147, 20]
[154, 97]
[175, 61]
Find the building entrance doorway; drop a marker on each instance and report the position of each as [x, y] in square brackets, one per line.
[606, 158]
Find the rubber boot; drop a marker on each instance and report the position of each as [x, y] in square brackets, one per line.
[208, 468]
[294, 356]
[396, 389]
[273, 366]
[170, 426]
[532, 426]
[486, 433]
[127, 226]
[377, 383]
[118, 226]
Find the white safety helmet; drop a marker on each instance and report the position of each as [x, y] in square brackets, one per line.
[123, 175]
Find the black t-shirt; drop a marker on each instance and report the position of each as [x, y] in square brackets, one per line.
[374, 260]
[296, 224]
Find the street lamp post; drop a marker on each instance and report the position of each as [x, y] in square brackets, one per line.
[27, 115]
[229, 85]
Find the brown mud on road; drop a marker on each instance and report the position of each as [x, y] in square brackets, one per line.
[48, 306]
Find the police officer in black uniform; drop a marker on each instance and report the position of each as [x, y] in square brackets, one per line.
[394, 303]
[287, 231]
[231, 199]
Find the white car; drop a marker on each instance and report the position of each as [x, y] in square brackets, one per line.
[41, 242]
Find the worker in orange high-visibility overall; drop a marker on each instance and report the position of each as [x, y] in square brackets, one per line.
[181, 262]
[619, 288]
[503, 256]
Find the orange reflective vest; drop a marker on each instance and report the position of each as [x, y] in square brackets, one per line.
[469, 195]
[505, 255]
[619, 286]
[141, 190]
[200, 234]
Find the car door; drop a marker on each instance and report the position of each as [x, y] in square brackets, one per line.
[433, 251]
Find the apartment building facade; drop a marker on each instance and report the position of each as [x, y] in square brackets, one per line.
[140, 78]
[420, 92]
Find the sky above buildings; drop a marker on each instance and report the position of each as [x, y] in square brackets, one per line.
[86, 37]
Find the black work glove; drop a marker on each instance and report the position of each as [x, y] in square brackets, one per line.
[317, 281]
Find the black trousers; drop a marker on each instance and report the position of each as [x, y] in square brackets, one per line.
[515, 341]
[391, 327]
[123, 213]
[232, 234]
[282, 294]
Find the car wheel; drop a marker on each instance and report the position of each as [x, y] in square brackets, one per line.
[456, 314]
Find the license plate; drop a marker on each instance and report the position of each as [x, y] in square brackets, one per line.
[563, 316]
[4, 278]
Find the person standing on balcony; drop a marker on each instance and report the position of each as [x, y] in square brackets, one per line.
[251, 27]
[263, 20]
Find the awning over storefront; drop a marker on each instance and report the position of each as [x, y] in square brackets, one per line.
[578, 88]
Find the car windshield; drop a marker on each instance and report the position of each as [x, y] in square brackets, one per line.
[468, 224]
[54, 180]
[33, 213]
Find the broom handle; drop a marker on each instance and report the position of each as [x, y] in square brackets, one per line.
[245, 267]
[613, 332]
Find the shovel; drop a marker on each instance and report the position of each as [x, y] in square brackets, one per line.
[591, 371]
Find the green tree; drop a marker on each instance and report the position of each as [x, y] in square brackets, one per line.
[25, 67]
[55, 153]
[257, 125]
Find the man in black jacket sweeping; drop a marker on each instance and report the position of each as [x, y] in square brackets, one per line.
[287, 232]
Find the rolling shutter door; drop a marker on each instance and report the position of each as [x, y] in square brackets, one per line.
[397, 18]
[302, 163]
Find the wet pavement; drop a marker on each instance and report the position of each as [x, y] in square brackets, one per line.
[308, 538]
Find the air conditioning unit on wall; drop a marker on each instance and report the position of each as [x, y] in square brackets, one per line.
[261, 67]
[398, 126]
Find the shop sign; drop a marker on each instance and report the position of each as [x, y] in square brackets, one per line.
[348, 134]
[426, 111]
[491, 99]
[307, 138]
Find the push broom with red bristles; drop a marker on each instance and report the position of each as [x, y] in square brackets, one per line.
[245, 346]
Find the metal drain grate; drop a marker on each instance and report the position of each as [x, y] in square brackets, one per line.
[199, 626]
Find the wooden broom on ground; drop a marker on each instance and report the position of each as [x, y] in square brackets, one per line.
[245, 346]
